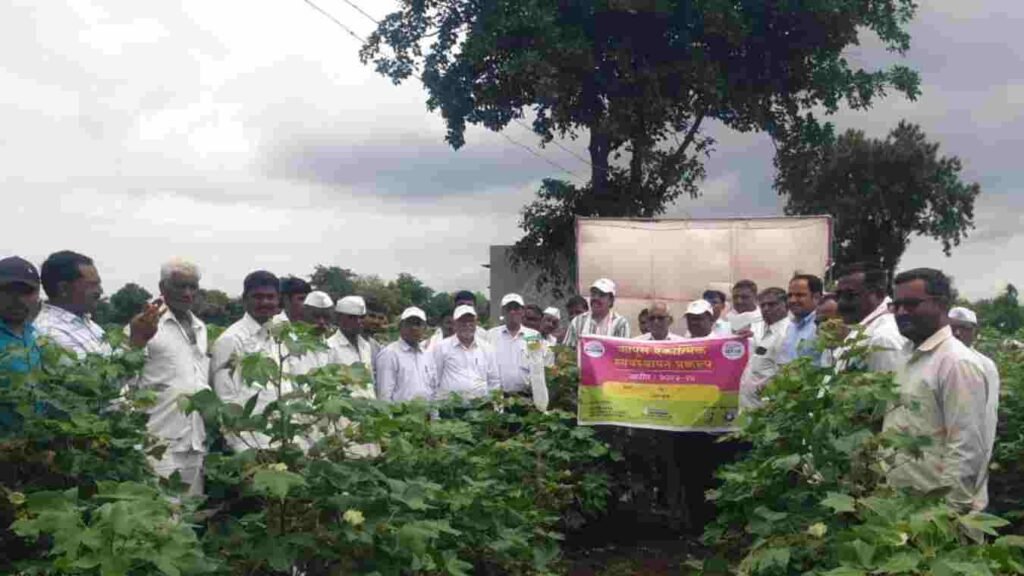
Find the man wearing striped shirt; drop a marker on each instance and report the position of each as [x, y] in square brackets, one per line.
[73, 289]
[601, 320]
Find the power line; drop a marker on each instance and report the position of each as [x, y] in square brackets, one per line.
[339, 23]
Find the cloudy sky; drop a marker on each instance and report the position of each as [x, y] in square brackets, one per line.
[244, 138]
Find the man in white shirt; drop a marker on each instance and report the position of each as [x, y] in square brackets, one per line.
[659, 320]
[250, 335]
[176, 365]
[293, 297]
[465, 365]
[764, 361]
[462, 298]
[347, 346]
[864, 306]
[73, 289]
[744, 314]
[943, 396]
[318, 312]
[601, 320]
[405, 371]
[964, 324]
[511, 342]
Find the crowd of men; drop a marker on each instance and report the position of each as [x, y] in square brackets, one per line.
[916, 335]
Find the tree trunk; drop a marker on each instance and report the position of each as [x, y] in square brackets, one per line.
[600, 148]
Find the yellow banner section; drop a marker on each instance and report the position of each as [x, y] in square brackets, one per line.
[688, 393]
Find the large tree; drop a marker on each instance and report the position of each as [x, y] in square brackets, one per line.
[128, 301]
[639, 77]
[879, 193]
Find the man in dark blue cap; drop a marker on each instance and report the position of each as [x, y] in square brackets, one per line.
[19, 301]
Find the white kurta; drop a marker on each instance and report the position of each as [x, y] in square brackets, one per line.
[469, 371]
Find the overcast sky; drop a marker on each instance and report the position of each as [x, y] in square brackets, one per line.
[248, 135]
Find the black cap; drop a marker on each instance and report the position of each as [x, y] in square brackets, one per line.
[292, 285]
[16, 270]
[464, 295]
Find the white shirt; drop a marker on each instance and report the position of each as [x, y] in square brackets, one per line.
[341, 351]
[992, 406]
[240, 339]
[480, 336]
[671, 337]
[721, 329]
[74, 333]
[470, 372]
[405, 373]
[584, 325]
[176, 367]
[888, 349]
[947, 383]
[512, 356]
[763, 364]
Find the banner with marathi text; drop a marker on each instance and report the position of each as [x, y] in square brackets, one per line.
[688, 385]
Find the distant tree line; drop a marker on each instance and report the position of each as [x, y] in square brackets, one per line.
[217, 307]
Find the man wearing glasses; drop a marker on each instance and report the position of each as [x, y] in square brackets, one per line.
[943, 396]
[659, 320]
[864, 305]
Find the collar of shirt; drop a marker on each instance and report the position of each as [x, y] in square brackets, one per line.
[802, 322]
[406, 347]
[935, 340]
[253, 327]
[777, 327]
[877, 313]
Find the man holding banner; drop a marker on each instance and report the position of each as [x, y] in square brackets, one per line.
[601, 319]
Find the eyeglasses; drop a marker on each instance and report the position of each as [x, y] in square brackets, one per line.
[910, 303]
[653, 318]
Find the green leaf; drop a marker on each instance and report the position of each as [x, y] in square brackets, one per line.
[983, 522]
[276, 483]
[1010, 540]
[901, 563]
[845, 571]
[865, 552]
[839, 502]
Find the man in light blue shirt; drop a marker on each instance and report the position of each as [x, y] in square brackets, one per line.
[19, 353]
[805, 292]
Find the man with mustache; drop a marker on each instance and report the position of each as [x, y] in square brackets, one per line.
[73, 290]
[864, 306]
[19, 299]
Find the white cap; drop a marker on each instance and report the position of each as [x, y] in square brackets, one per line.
[963, 314]
[699, 307]
[554, 312]
[604, 285]
[413, 312]
[509, 298]
[463, 310]
[352, 305]
[318, 299]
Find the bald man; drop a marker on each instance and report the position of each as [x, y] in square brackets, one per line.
[659, 320]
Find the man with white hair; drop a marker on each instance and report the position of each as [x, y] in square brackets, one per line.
[511, 342]
[347, 346]
[600, 320]
[405, 371]
[465, 365]
[659, 320]
[317, 311]
[176, 365]
[964, 323]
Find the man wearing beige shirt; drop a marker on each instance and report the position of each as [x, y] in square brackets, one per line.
[943, 396]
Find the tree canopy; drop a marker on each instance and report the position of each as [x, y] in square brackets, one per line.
[640, 77]
[879, 193]
[127, 302]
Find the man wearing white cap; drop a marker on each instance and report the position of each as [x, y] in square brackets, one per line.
[511, 342]
[700, 319]
[659, 320]
[601, 320]
[549, 325]
[465, 366]
[404, 370]
[462, 298]
[347, 346]
[317, 310]
[964, 324]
